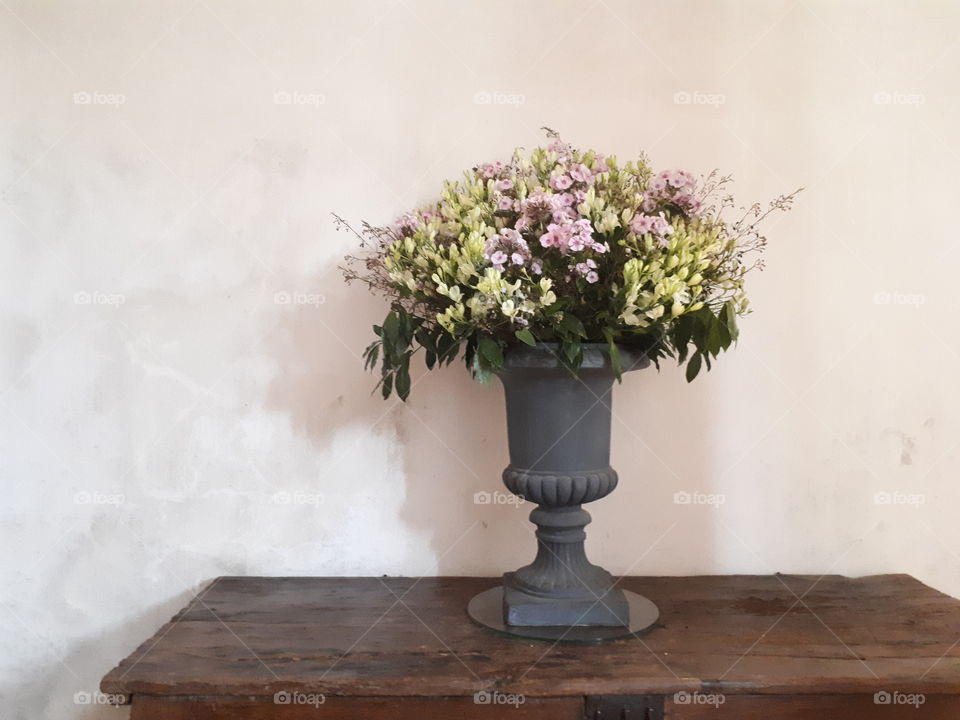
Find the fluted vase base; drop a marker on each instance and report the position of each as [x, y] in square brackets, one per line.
[486, 609]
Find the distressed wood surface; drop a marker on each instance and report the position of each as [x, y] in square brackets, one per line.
[207, 708]
[401, 637]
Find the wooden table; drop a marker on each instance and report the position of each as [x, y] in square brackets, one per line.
[743, 647]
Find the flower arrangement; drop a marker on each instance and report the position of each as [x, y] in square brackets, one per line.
[566, 247]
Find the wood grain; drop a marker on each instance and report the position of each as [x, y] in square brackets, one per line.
[159, 708]
[407, 638]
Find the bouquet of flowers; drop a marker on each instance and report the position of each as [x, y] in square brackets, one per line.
[563, 247]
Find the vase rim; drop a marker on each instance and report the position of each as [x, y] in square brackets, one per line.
[596, 356]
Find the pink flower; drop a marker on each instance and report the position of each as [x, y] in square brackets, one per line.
[641, 224]
[536, 267]
[651, 224]
[502, 185]
[600, 164]
[512, 236]
[658, 184]
[517, 259]
[676, 178]
[560, 181]
[562, 149]
[581, 173]
[592, 276]
[498, 258]
[406, 224]
[576, 243]
[661, 227]
[584, 268]
[505, 203]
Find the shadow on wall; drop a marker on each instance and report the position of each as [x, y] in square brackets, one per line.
[70, 688]
[451, 436]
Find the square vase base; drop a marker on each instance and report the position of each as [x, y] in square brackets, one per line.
[523, 609]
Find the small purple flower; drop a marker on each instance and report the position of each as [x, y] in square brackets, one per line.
[661, 227]
[560, 181]
[517, 259]
[676, 178]
[641, 224]
[406, 224]
[502, 185]
[658, 184]
[562, 149]
[581, 173]
[651, 224]
[536, 267]
[498, 258]
[592, 276]
[505, 203]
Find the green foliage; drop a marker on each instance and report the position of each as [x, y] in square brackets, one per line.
[693, 338]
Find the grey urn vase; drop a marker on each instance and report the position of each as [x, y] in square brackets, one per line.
[558, 428]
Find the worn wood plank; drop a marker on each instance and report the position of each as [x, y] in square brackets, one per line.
[815, 707]
[225, 708]
[411, 638]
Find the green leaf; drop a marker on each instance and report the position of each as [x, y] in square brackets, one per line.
[387, 386]
[526, 336]
[571, 326]
[447, 346]
[403, 379]
[371, 354]
[718, 337]
[730, 316]
[430, 359]
[693, 367]
[391, 325]
[481, 371]
[680, 336]
[615, 363]
[393, 344]
[426, 339]
[490, 351]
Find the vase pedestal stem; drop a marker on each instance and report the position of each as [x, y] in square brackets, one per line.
[562, 587]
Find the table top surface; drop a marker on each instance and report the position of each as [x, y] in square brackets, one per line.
[412, 637]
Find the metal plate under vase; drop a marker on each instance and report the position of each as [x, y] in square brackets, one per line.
[486, 609]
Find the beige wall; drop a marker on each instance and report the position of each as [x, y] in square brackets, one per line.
[148, 425]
